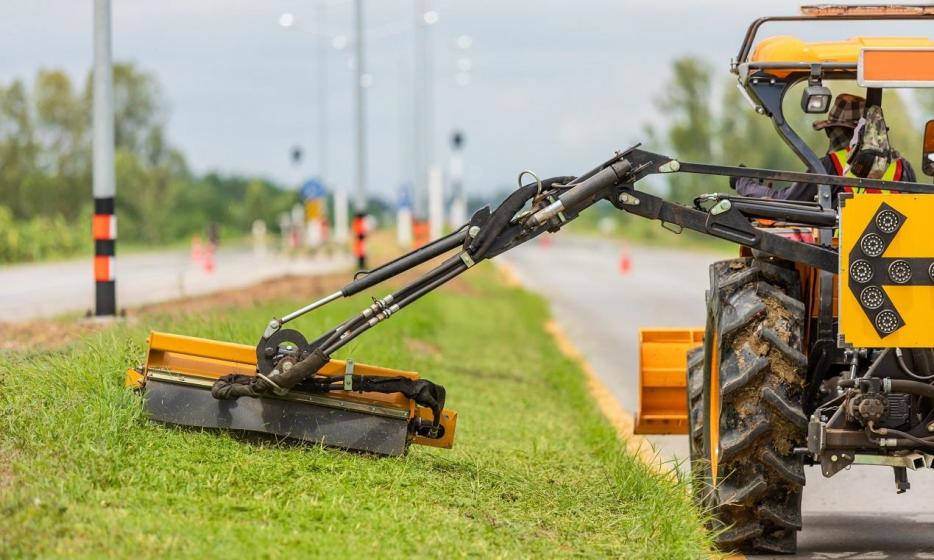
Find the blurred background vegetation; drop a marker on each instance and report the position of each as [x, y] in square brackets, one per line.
[45, 172]
[45, 160]
[709, 120]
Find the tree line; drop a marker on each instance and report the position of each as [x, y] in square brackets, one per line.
[702, 127]
[45, 171]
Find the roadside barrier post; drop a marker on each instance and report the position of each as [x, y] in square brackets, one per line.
[359, 248]
[104, 224]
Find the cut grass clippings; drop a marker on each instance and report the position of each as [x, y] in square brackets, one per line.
[536, 470]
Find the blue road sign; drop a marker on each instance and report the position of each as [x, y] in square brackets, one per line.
[312, 189]
[405, 196]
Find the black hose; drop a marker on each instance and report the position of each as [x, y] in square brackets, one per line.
[912, 387]
[899, 386]
[354, 322]
[501, 217]
[423, 289]
[406, 262]
[906, 369]
[900, 434]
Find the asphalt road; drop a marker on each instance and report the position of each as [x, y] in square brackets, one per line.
[854, 515]
[34, 291]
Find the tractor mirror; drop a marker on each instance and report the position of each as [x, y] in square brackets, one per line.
[927, 156]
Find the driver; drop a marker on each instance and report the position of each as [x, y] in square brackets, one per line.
[839, 126]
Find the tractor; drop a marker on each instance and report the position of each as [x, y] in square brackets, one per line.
[800, 365]
[817, 345]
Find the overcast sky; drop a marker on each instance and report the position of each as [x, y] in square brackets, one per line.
[555, 85]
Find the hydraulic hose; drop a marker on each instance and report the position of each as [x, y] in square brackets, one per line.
[582, 191]
[901, 363]
[898, 386]
[435, 282]
[899, 434]
[405, 262]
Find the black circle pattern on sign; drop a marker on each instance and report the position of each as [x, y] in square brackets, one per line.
[931, 271]
[872, 245]
[861, 271]
[900, 272]
[872, 297]
[887, 321]
[887, 221]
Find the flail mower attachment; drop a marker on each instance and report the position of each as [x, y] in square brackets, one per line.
[355, 412]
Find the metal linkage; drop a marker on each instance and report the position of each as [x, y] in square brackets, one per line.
[556, 201]
[369, 278]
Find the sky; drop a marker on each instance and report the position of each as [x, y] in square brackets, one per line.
[555, 86]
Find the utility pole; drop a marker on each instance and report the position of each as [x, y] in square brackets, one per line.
[360, 103]
[422, 111]
[323, 47]
[104, 225]
[456, 174]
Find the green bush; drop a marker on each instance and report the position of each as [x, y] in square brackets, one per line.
[41, 237]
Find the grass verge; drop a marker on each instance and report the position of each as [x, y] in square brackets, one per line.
[536, 470]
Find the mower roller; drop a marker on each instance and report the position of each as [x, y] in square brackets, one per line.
[819, 343]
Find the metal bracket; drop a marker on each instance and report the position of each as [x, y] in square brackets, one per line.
[465, 256]
[832, 462]
[276, 389]
[348, 375]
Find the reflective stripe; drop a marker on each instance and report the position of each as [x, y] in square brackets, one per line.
[893, 173]
[104, 227]
[103, 269]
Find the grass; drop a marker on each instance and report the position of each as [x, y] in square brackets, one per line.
[535, 472]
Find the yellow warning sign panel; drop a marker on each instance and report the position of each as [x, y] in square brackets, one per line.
[887, 270]
[314, 209]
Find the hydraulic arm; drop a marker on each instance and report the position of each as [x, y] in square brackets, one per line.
[285, 359]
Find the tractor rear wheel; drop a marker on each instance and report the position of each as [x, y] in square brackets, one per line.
[744, 406]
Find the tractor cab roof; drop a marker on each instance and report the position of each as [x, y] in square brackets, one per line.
[785, 48]
[768, 68]
[786, 56]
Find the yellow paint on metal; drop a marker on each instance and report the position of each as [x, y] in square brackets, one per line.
[785, 48]
[448, 422]
[663, 405]
[714, 420]
[134, 379]
[915, 238]
[211, 359]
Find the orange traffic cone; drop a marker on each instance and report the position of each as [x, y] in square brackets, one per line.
[625, 262]
[196, 250]
[209, 258]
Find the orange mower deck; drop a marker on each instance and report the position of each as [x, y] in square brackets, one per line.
[179, 371]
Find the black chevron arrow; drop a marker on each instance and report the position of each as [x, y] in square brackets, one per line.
[869, 271]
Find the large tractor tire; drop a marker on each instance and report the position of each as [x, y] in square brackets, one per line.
[744, 399]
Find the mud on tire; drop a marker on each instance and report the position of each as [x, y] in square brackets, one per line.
[756, 319]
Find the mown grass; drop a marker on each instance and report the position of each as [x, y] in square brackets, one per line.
[536, 471]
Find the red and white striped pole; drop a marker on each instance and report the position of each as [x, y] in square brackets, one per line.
[104, 225]
[359, 247]
[104, 230]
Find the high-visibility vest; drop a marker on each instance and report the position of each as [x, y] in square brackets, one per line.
[893, 173]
